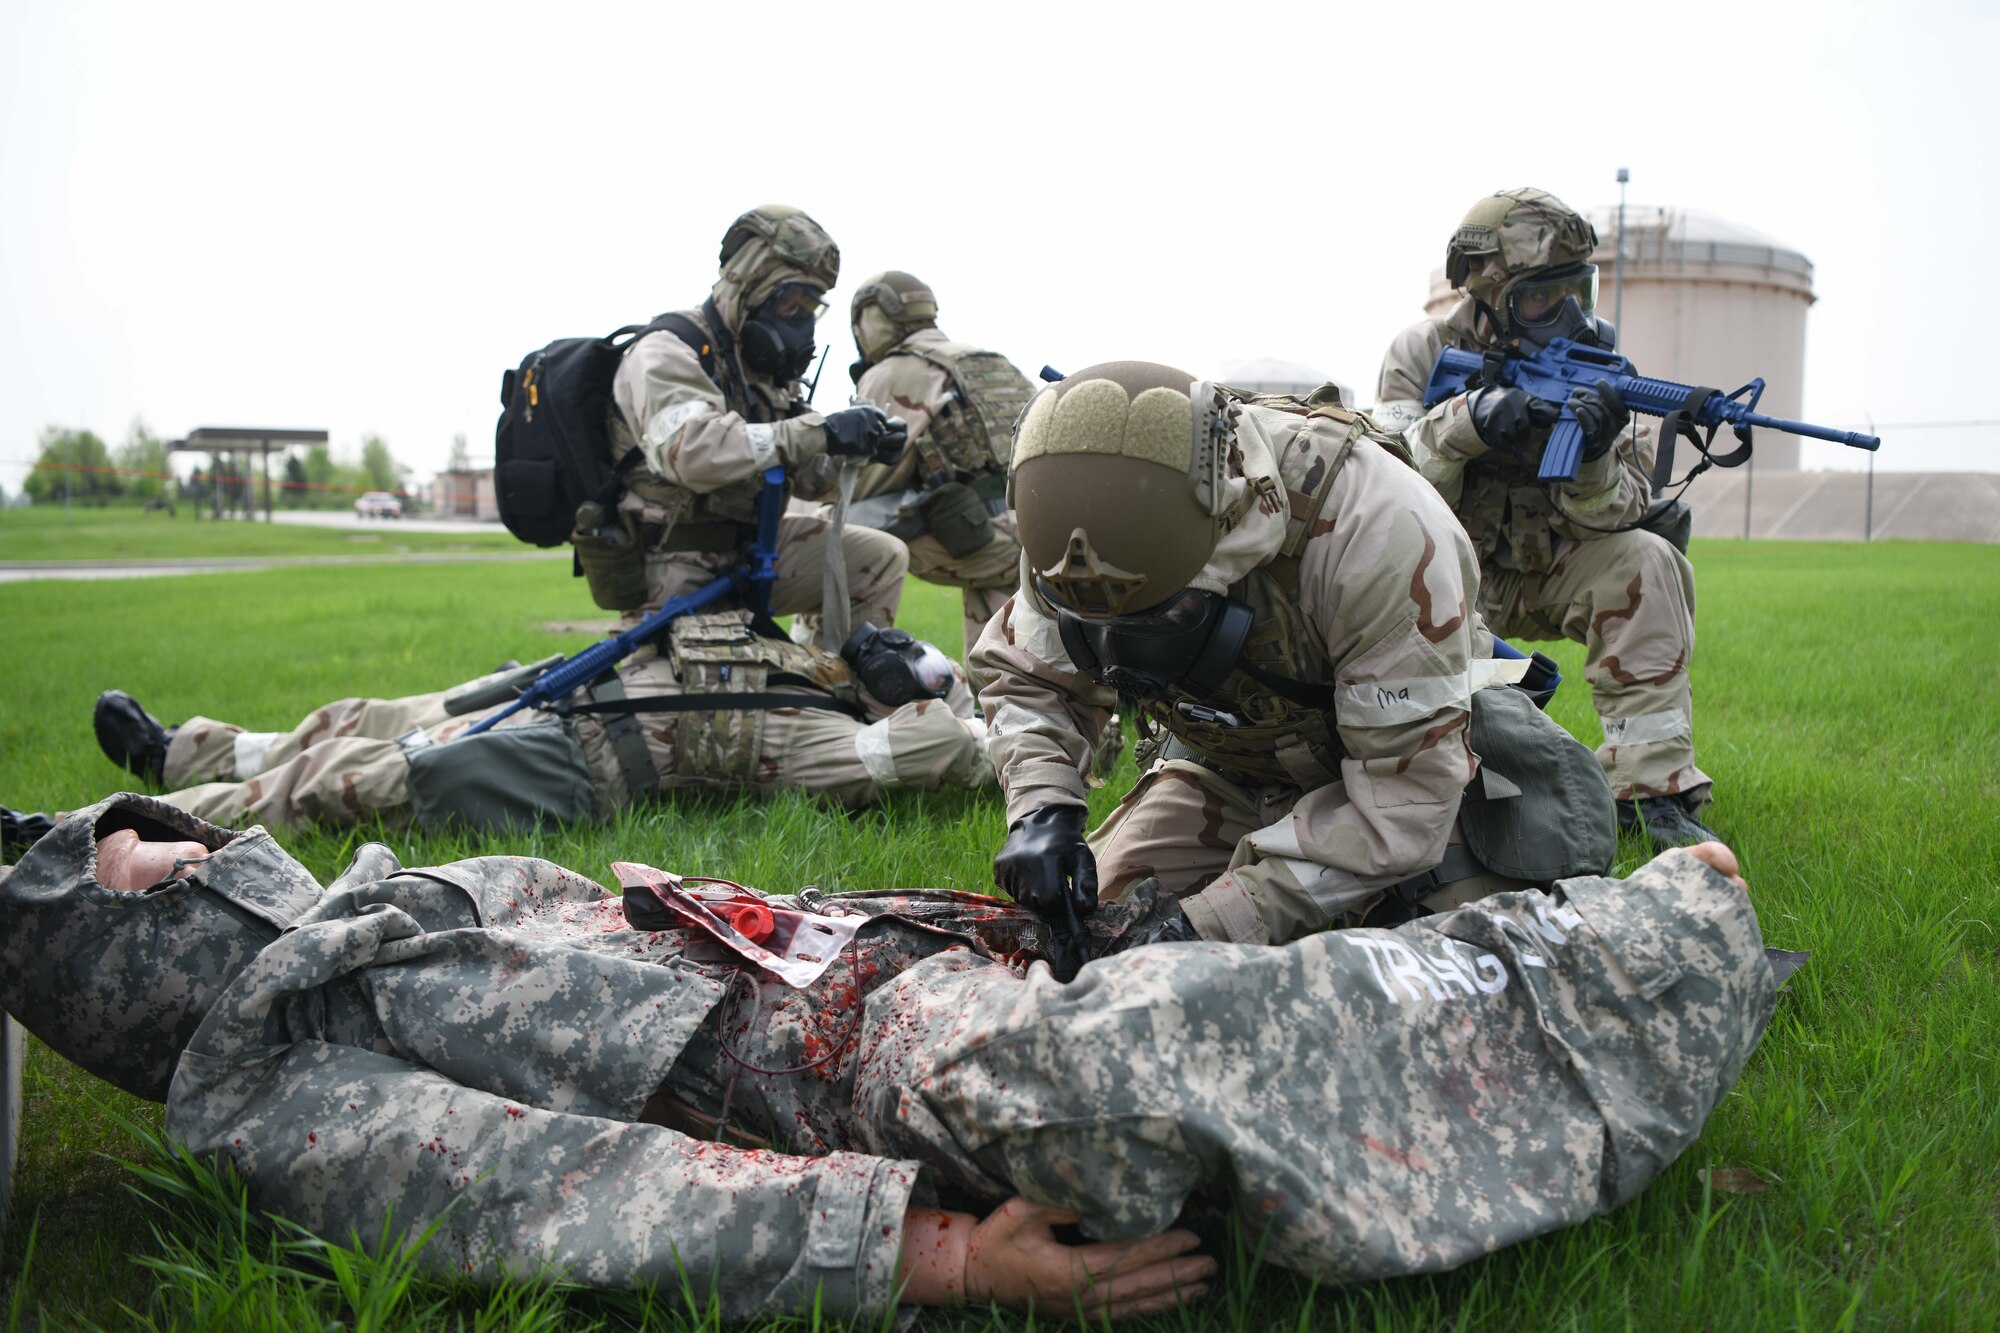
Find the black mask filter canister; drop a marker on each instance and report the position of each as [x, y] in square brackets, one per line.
[1190, 642]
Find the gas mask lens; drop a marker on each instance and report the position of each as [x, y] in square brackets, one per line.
[1539, 301]
[793, 301]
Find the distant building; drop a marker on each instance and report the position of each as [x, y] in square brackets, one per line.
[1706, 302]
[465, 494]
[1266, 374]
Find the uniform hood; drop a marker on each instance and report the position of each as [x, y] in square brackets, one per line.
[118, 982]
[1255, 494]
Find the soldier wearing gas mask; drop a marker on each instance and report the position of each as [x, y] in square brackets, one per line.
[947, 496]
[699, 411]
[1289, 606]
[1562, 559]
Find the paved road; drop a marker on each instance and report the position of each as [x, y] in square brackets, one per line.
[344, 518]
[20, 571]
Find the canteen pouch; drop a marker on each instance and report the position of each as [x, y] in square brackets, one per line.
[510, 777]
[1675, 522]
[613, 562]
[957, 517]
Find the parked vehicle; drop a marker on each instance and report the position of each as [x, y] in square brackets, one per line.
[378, 504]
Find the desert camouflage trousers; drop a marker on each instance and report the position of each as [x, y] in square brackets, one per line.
[342, 763]
[1190, 827]
[1629, 599]
[986, 578]
[1367, 1103]
[876, 564]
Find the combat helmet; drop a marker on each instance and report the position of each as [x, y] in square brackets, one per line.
[1117, 485]
[1508, 235]
[886, 309]
[765, 248]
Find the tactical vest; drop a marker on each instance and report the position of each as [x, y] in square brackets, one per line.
[1278, 740]
[973, 433]
[705, 521]
[720, 654]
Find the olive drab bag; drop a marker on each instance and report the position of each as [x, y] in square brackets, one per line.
[552, 447]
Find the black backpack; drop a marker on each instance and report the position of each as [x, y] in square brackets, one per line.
[551, 448]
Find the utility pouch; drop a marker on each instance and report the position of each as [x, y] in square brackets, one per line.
[957, 517]
[1675, 522]
[612, 561]
[1540, 807]
[495, 688]
[510, 777]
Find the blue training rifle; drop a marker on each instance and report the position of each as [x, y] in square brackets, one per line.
[1552, 372]
[750, 581]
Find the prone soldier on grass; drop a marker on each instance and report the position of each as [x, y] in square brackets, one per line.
[718, 707]
[1574, 559]
[541, 1070]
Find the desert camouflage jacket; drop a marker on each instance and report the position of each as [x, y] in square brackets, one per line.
[1378, 583]
[1512, 518]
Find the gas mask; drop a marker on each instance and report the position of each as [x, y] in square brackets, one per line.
[1560, 303]
[896, 667]
[1189, 642]
[777, 339]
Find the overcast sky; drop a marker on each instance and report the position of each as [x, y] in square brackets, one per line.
[354, 216]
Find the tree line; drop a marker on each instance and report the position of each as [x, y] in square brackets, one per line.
[79, 466]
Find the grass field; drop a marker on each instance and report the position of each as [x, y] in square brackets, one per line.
[45, 532]
[1848, 706]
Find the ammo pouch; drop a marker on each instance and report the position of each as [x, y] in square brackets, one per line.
[1675, 522]
[510, 777]
[957, 517]
[1540, 807]
[612, 561]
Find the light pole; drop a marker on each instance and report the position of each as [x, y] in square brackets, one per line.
[1618, 261]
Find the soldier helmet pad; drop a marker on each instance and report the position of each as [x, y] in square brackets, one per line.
[1108, 487]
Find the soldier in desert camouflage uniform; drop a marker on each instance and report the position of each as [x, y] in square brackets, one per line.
[479, 1038]
[1291, 605]
[1555, 559]
[707, 401]
[960, 403]
[358, 759]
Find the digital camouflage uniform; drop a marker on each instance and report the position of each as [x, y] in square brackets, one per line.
[479, 1038]
[960, 402]
[1627, 596]
[703, 443]
[344, 763]
[1362, 583]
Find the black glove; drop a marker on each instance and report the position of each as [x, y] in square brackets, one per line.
[1505, 418]
[1603, 416]
[1046, 867]
[864, 432]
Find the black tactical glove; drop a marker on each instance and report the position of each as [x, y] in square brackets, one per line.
[863, 431]
[1505, 418]
[1603, 416]
[1045, 865]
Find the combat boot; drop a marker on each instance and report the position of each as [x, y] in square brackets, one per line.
[1666, 821]
[131, 737]
[19, 832]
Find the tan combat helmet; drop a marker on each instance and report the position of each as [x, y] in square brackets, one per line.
[1118, 485]
[887, 309]
[1511, 234]
[767, 246]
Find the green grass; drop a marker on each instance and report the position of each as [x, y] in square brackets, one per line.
[44, 532]
[1847, 704]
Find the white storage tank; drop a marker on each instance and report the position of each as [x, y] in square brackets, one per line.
[1706, 302]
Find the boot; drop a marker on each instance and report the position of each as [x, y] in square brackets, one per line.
[19, 832]
[131, 737]
[1666, 821]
